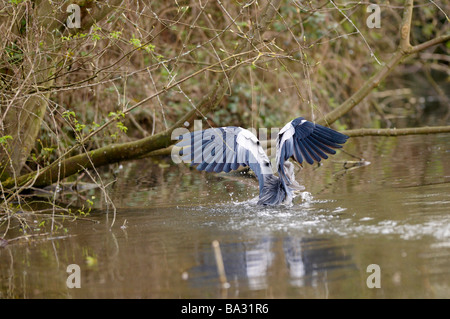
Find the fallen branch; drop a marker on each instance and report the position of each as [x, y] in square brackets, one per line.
[397, 131]
[352, 133]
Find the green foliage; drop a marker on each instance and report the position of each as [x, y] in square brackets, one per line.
[16, 2]
[68, 114]
[116, 115]
[95, 36]
[115, 34]
[4, 139]
[137, 44]
[122, 127]
[71, 117]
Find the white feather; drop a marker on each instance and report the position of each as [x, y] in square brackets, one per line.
[287, 131]
[248, 141]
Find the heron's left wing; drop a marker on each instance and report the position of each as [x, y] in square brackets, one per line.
[307, 141]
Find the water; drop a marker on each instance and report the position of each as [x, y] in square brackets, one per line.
[393, 213]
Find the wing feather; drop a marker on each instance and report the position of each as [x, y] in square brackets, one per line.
[307, 141]
[224, 149]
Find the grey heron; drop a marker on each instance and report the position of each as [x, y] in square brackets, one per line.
[226, 148]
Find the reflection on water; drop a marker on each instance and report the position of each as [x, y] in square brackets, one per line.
[306, 262]
[393, 213]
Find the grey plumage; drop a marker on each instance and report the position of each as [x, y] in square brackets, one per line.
[226, 148]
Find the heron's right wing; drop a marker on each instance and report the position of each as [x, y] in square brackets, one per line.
[224, 149]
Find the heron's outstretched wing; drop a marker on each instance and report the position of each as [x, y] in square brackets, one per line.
[307, 141]
[224, 149]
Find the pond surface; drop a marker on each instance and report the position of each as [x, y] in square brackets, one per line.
[393, 213]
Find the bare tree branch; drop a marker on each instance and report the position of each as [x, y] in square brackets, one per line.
[404, 50]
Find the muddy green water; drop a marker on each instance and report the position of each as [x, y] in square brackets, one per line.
[393, 213]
